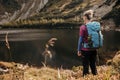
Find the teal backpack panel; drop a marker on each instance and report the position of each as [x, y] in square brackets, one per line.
[95, 37]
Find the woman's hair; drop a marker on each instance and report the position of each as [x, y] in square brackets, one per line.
[89, 14]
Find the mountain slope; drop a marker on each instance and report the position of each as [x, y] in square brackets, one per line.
[27, 8]
[61, 12]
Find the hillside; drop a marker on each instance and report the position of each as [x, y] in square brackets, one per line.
[19, 9]
[64, 12]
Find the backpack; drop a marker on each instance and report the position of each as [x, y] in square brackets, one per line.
[95, 37]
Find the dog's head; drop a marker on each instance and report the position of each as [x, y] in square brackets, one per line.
[51, 42]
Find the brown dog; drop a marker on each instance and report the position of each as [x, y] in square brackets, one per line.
[49, 52]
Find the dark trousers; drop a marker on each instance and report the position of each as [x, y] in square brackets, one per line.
[89, 59]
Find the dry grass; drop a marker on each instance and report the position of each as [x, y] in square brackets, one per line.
[25, 72]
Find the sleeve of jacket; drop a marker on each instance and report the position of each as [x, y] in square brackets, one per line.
[80, 43]
[81, 34]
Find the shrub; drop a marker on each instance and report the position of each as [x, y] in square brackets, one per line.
[116, 61]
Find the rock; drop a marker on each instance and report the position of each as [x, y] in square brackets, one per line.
[2, 70]
[6, 64]
[109, 62]
[4, 67]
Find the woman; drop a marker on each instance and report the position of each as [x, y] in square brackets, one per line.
[88, 55]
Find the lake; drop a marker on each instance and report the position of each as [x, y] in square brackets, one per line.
[27, 45]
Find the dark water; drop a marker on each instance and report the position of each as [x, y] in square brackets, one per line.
[27, 45]
[111, 41]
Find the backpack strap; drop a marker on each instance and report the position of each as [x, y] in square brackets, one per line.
[85, 34]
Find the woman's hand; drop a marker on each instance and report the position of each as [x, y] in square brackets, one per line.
[79, 53]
